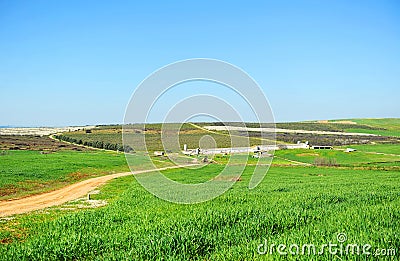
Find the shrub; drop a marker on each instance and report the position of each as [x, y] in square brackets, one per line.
[320, 161]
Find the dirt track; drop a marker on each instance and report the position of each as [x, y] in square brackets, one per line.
[278, 130]
[60, 196]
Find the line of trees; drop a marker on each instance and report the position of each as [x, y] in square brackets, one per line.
[97, 144]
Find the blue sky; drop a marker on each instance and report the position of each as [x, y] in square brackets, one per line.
[78, 62]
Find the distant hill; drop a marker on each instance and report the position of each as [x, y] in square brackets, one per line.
[383, 126]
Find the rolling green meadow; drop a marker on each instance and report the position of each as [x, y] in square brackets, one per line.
[189, 134]
[26, 172]
[378, 148]
[292, 205]
[299, 202]
[357, 158]
[385, 127]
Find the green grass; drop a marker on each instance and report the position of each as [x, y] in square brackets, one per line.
[391, 126]
[387, 123]
[27, 172]
[380, 148]
[342, 158]
[240, 159]
[153, 140]
[189, 134]
[292, 205]
[379, 126]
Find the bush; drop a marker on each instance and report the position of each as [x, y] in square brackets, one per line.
[320, 161]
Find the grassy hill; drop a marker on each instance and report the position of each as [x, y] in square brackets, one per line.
[383, 126]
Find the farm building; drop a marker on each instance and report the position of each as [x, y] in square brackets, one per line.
[159, 153]
[262, 154]
[321, 147]
[253, 149]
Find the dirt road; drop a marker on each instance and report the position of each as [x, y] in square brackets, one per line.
[60, 196]
[278, 130]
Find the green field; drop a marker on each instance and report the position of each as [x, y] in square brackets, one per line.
[26, 172]
[388, 127]
[29, 172]
[292, 205]
[189, 134]
[359, 195]
[379, 148]
[387, 123]
[357, 158]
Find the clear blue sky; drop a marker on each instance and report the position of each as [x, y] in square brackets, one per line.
[78, 62]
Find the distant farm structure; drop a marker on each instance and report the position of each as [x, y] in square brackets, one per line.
[259, 151]
[159, 153]
[321, 147]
